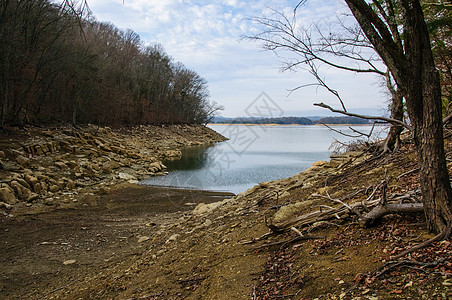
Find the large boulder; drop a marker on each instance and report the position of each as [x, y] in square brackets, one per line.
[22, 192]
[7, 195]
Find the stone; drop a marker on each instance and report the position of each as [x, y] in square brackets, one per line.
[37, 188]
[319, 163]
[173, 238]
[2, 154]
[172, 153]
[109, 166]
[54, 188]
[23, 161]
[7, 195]
[143, 239]
[22, 192]
[69, 262]
[61, 165]
[10, 166]
[126, 176]
[202, 208]
[5, 205]
[31, 180]
[23, 182]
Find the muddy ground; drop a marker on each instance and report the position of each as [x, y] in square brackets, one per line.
[44, 252]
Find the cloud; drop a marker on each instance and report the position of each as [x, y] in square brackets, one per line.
[206, 37]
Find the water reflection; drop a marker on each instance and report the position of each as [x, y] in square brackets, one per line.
[193, 158]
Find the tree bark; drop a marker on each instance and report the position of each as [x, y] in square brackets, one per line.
[414, 71]
[423, 94]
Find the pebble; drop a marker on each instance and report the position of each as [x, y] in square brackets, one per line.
[69, 262]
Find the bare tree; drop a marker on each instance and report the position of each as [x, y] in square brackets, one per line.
[340, 45]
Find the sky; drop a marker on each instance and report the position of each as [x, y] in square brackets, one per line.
[207, 37]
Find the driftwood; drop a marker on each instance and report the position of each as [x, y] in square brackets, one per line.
[375, 209]
[381, 210]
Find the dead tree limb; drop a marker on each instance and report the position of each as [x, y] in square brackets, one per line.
[381, 210]
[389, 120]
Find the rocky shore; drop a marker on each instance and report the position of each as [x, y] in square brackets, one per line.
[44, 168]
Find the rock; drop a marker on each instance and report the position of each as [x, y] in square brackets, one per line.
[156, 166]
[23, 161]
[5, 205]
[319, 163]
[207, 223]
[31, 180]
[69, 262]
[37, 188]
[264, 184]
[2, 154]
[126, 176]
[109, 166]
[61, 165]
[22, 192]
[23, 182]
[7, 195]
[173, 238]
[10, 166]
[54, 188]
[172, 153]
[202, 208]
[143, 239]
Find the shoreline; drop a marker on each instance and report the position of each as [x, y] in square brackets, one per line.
[52, 168]
[331, 125]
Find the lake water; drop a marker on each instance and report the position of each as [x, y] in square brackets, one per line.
[252, 154]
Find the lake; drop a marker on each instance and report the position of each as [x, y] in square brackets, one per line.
[252, 154]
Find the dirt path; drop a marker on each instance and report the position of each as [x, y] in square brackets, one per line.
[45, 252]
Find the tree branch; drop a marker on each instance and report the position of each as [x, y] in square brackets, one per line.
[388, 120]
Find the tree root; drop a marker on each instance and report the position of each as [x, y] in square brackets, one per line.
[442, 235]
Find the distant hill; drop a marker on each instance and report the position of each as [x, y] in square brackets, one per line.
[342, 120]
[291, 120]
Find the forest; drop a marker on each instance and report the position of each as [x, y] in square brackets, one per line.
[59, 65]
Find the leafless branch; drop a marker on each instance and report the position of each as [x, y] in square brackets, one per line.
[388, 120]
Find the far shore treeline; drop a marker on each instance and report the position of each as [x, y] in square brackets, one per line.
[293, 120]
[57, 64]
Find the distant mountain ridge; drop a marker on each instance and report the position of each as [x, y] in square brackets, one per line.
[292, 120]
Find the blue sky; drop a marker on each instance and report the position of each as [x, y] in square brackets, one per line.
[206, 37]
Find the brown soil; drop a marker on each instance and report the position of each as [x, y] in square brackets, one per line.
[43, 252]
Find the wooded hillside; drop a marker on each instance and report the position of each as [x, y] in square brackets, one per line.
[57, 64]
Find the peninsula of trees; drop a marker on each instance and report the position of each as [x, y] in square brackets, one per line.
[292, 120]
[57, 64]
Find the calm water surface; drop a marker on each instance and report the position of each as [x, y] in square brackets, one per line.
[252, 154]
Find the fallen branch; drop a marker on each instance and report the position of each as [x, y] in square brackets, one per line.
[382, 210]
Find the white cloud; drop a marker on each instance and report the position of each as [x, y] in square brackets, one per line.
[205, 36]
